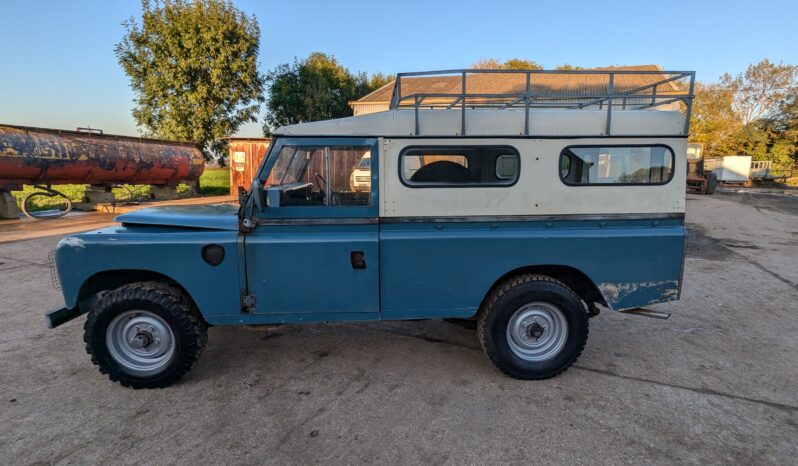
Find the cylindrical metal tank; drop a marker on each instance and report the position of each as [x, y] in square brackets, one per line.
[50, 156]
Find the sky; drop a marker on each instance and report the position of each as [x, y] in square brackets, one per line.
[58, 68]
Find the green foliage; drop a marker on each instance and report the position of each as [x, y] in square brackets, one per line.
[316, 88]
[761, 88]
[754, 113]
[714, 122]
[193, 68]
[215, 182]
[567, 67]
[511, 64]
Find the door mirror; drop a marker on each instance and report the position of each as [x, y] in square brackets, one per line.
[257, 194]
[274, 197]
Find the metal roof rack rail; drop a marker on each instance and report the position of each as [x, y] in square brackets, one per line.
[606, 89]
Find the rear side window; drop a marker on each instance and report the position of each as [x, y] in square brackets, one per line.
[616, 165]
[452, 166]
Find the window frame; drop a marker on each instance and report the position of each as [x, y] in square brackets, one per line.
[414, 185]
[321, 212]
[599, 146]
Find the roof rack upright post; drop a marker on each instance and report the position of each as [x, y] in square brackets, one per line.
[689, 112]
[397, 91]
[463, 107]
[415, 107]
[609, 102]
[526, 102]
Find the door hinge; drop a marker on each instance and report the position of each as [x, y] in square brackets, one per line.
[248, 302]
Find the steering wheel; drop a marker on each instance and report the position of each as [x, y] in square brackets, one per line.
[323, 184]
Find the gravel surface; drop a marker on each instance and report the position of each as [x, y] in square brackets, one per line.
[716, 383]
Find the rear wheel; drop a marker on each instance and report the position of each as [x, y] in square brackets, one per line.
[533, 327]
[712, 182]
[144, 335]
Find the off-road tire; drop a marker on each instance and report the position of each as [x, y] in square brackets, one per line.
[169, 303]
[712, 182]
[510, 296]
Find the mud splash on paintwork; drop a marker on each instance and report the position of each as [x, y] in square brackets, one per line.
[650, 292]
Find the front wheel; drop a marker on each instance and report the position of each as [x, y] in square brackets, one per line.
[144, 335]
[533, 327]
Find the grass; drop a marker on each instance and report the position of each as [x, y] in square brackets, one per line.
[213, 182]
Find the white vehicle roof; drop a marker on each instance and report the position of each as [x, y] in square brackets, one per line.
[495, 122]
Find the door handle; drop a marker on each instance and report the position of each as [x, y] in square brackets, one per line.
[358, 260]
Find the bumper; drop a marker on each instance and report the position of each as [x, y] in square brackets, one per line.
[61, 315]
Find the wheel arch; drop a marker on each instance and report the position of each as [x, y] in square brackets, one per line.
[108, 280]
[572, 277]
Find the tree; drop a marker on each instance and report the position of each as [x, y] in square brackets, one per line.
[754, 113]
[782, 130]
[785, 121]
[761, 88]
[713, 121]
[316, 88]
[568, 67]
[511, 64]
[193, 67]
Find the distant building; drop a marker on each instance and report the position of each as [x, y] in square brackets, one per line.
[506, 83]
[246, 155]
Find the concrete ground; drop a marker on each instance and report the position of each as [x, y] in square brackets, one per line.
[716, 383]
[25, 228]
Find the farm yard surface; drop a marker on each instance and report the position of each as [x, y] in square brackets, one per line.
[713, 384]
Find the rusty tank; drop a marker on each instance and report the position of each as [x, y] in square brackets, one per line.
[40, 156]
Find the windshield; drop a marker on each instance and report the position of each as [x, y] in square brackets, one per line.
[319, 175]
[297, 164]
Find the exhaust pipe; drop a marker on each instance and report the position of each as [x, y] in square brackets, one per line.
[639, 311]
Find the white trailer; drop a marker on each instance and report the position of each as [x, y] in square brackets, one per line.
[730, 168]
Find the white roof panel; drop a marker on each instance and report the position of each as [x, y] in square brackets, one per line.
[495, 122]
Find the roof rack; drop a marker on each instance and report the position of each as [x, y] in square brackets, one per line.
[606, 89]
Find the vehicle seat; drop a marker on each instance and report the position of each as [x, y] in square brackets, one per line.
[443, 171]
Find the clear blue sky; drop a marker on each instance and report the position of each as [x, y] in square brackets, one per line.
[59, 70]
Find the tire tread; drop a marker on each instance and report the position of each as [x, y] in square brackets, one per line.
[171, 299]
[490, 307]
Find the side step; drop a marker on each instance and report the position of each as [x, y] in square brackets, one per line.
[639, 311]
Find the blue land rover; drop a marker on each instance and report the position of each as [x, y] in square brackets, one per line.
[523, 212]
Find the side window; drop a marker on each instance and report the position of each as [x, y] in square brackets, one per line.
[321, 176]
[442, 166]
[616, 165]
[350, 175]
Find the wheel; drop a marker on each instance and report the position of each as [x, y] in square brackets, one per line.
[144, 335]
[712, 182]
[28, 205]
[533, 327]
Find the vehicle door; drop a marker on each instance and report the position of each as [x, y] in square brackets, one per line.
[314, 247]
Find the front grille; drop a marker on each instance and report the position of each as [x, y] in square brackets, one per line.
[53, 271]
